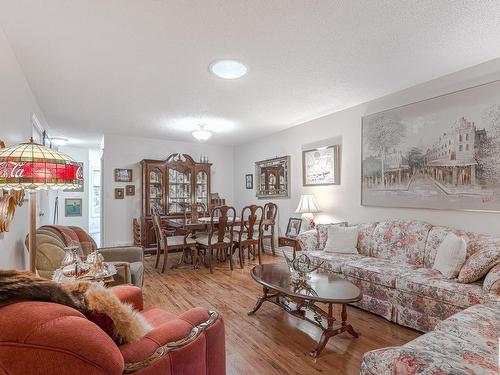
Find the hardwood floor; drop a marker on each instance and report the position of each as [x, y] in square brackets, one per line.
[271, 341]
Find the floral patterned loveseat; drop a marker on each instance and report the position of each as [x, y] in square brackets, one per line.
[394, 270]
[466, 343]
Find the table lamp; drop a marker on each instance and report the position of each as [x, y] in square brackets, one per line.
[31, 167]
[307, 207]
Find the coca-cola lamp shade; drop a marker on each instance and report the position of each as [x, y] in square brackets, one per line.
[33, 166]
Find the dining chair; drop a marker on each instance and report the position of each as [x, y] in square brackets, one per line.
[269, 225]
[219, 236]
[249, 233]
[167, 240]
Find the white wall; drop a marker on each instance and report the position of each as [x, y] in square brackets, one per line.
[127, 152]
[343, 202]
[17, 103]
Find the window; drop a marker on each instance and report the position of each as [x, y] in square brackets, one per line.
[460, 139]
[460, 148]
[467, 136]
[467, 147]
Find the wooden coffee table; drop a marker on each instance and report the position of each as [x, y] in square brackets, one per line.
[300, 298]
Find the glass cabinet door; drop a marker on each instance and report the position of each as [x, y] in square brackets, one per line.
[180, 189]
[156, 198]
[202, 188]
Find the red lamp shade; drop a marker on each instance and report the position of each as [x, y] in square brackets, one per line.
[33, 166]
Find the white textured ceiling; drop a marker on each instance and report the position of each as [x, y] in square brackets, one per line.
[140, 67]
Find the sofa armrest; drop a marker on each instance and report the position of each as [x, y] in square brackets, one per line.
[129, 254]
[176, 335]
[308, 240]
[491, 284]
[129, 294]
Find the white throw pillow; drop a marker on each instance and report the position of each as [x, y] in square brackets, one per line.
[450, 256]
[342, 240]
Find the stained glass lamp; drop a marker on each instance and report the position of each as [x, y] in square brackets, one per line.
[31, 166]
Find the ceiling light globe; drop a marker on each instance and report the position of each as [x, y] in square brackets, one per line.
[228, 69]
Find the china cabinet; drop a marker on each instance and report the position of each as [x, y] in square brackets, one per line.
[170, 187]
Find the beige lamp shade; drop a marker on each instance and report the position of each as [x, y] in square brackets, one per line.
[307, 205]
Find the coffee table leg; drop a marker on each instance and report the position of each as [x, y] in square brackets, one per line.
[327, 333]
[345, 326]
[260, 301]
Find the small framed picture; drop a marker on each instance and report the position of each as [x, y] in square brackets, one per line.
[249, 181]
[130, 190]
[123, 175]
[119, 193]
[293, 227]
[73, 207]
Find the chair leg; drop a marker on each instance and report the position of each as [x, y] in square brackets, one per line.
[210, 260]
[258, 253]
[158, 254]
[194, 257]
[165, 258]
[272, 241]
[241, 256]
[230, 249]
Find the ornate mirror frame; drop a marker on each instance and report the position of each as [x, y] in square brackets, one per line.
[273, 178]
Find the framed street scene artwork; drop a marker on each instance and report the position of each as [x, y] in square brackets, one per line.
[249, 181]
[321, 166]
[73, 207]
[123, 175]
[293, 227]
[440, 153]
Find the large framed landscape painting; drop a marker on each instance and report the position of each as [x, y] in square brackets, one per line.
[440, 153]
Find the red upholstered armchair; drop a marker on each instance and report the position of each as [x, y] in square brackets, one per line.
[47, 338]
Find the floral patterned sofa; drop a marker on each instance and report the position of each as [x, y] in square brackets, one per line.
[447, 350]
[394, 270]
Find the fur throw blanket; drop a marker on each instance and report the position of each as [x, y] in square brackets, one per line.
[93, 300]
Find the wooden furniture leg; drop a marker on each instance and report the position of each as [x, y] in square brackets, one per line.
[165, 258]
[210, 260]
[272, 241]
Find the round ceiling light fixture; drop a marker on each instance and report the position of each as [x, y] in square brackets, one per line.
[228, 69]
[201, 134]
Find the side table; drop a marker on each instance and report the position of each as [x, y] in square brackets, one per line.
[290, 241]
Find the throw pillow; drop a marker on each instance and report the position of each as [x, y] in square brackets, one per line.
[450, 256]
[322, 230]
[478, 265]
[342, 240]
[492, 281]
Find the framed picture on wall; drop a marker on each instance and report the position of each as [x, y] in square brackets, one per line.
[321, 166]
[119, 193]
[72, 207]
[249, 181]
[130, 190]
[123, 175]
[273, 178]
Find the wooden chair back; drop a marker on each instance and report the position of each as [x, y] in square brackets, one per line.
[251, 219]
[194, 211]
[157, 228]
[221, 225]
[269, 217]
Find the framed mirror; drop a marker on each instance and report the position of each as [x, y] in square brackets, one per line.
[273, 178]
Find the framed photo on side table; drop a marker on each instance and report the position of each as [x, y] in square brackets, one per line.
[293, 227]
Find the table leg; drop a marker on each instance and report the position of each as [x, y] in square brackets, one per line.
[260, 301]
[345, 326]
[327, 333]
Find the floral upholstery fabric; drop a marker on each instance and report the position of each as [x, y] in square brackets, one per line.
[308, 240]
[446, 350]
[323, 234]
[478, 264]
[378, 271]
[365, 238]
[376, 298]
[430, 283]
[492, 281]
[331, 261]
[401, 241]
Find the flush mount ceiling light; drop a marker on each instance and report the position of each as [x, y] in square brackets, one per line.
[228, 69]
[59, 141]
[201, 134]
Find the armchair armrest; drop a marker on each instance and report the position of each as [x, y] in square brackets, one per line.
[308, 240]
[129, 294]
[176, 335]
[128, 254]
[491, 284]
